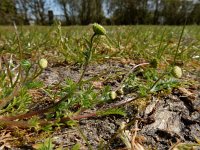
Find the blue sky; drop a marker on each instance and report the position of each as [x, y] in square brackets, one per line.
[53, 6]
[57, 10]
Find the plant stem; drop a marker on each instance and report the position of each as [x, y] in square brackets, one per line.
[87, 58]
[36, 75]
[20, 55]
[176, 53]
[9, 74]
[165, 73]
[106, 146]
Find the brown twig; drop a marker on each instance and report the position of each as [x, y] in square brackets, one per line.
[25, 124]
[9, 121]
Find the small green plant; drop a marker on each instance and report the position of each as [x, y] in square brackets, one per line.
[16, 78]
[77, 146]
[98, 30]
[23, 78]
[46, 145]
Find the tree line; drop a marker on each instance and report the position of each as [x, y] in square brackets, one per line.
[110, 12]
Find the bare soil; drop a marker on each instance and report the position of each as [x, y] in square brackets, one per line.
[164, 118]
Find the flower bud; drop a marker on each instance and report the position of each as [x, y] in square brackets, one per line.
[120, 91]
[43, 63]
[177, 72]
[98, 29]
[113, 95]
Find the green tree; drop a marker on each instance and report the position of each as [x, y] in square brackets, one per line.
[171, 11]
[8, 12]
[128, 11]
[176, 12]
[156, 13]
[91, 11]
[195, 14]
[123, 11]
[185, 10]
[23, 8]
[39, 9]
[70, 10]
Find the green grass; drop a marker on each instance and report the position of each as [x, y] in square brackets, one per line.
[129, 41]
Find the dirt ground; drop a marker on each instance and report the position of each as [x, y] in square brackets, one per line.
[164, 119]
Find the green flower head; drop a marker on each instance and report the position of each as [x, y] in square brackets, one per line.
[113, 95]
[98, 29]
[177, 72]
[43, 63]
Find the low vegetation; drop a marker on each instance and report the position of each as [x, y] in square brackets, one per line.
[154, 60]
